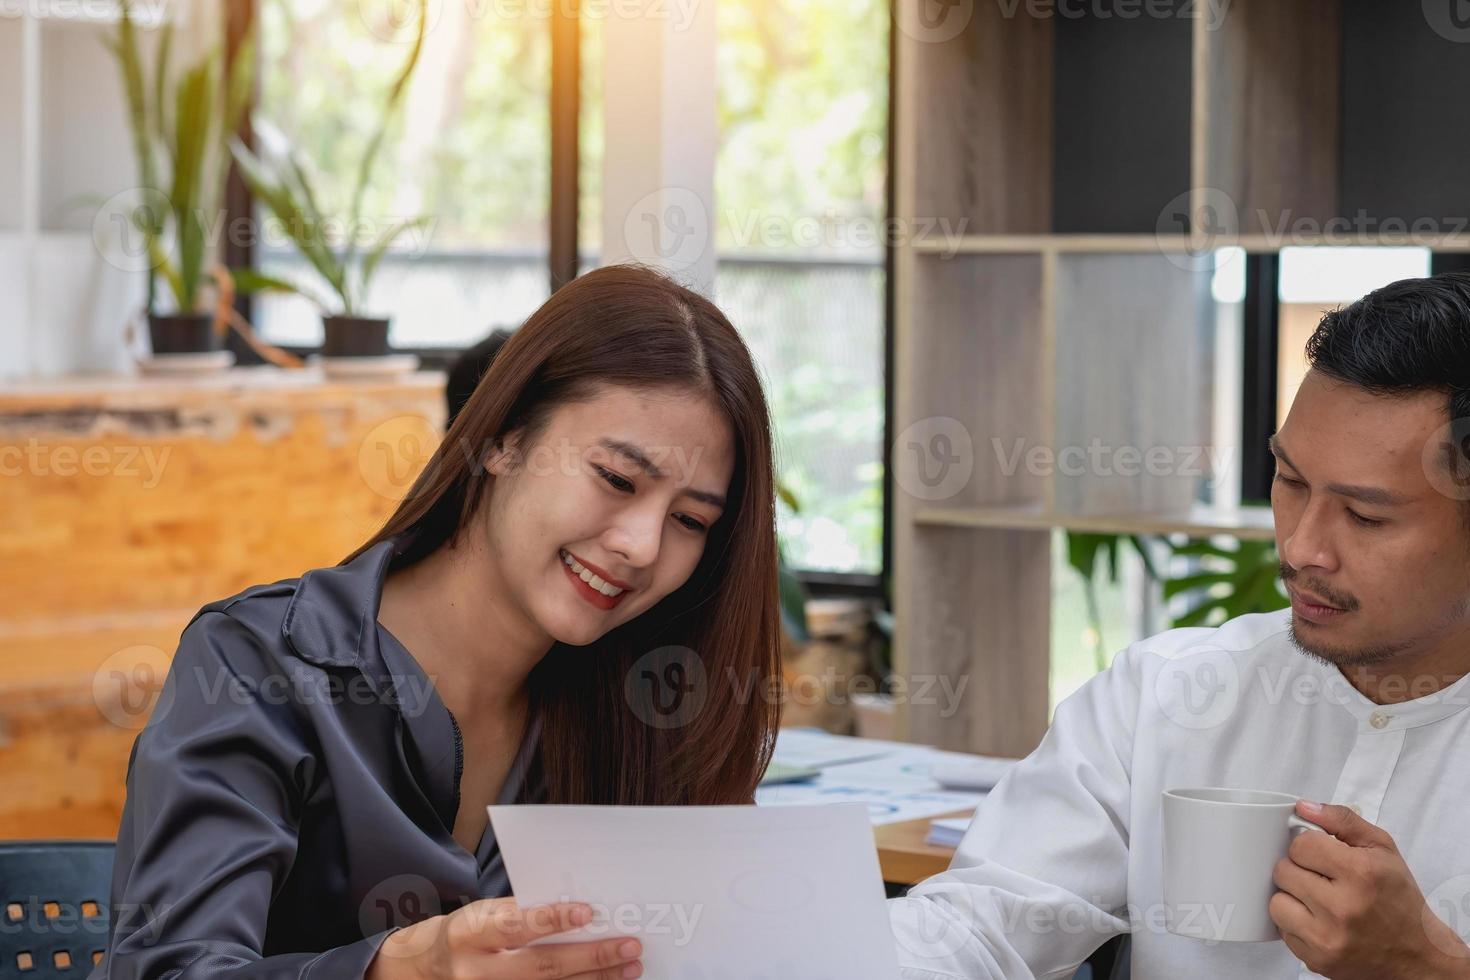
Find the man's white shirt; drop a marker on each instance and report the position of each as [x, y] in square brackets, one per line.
[1067, 849]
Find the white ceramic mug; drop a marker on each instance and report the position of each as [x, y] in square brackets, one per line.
[1220, 850]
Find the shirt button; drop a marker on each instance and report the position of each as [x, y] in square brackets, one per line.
[1378, 719]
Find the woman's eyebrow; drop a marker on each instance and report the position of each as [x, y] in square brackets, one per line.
[704, 496]
[635, 454]
[641, 460]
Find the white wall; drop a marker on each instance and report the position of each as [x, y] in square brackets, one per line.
[68, 290]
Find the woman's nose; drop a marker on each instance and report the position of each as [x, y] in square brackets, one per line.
[638, 536]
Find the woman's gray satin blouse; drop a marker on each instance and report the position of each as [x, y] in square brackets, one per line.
[292, 798]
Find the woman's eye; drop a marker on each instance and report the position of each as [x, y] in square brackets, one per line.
[617, 482]
[691, 523]
[1364, 521]
[1287, 481]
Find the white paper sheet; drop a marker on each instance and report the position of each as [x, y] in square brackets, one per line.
[948, 832]
[896, 786]
[917, 767]
[811, 748]
[884, 804]
[713, 893]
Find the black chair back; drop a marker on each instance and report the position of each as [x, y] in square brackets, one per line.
[53, 907]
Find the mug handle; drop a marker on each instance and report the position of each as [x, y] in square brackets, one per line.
[1296, 823]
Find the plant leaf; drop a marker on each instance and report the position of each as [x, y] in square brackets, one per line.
[124, 47]
[784, 494]
[1202, 547]
[1140, 545]
[249, 281]
[1195, 616]
[1082, 549]
[164, 266]
[1188, 583]
[792, 600]
[160, 81]
[375, 142]
[1252, 572]
[238, 89]
[191, 140]
[288, 210]
[371, 260]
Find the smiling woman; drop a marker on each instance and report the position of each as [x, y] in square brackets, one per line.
[545, 618]
[623, 427]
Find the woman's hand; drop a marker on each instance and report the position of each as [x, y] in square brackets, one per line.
[487, 940]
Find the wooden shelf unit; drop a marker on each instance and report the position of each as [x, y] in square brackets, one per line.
[1246, 523]
[1063, 177]
[1174, 244]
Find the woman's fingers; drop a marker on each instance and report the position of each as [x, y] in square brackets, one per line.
[610, 959]
[499, 923]
[504, 930]
[628, 972]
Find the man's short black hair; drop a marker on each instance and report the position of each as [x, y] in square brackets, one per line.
[1409, 336]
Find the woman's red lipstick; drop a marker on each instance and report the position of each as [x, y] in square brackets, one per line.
[585, 590]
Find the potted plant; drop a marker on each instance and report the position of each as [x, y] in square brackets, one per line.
[281, 181]
[183, 162]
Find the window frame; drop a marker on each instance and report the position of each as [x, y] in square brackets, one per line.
[563, 258]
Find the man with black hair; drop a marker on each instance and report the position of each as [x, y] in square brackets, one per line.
[1355, 696]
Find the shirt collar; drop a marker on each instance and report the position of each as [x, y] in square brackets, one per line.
[1401, 715]
[332, 618]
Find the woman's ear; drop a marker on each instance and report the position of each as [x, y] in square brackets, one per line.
[501, 458]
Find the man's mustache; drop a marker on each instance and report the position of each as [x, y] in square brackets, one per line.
[1341, 600]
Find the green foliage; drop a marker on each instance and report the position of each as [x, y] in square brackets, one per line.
[1238, 580]
[174, 153]
[478, 158]
[793, 598]
[793, 594]
[283, 184]
[803, 109]
[802, 88]
[1084, 551]
[802, 113]
[1232, 581]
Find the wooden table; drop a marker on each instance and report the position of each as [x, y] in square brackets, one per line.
[904, 858]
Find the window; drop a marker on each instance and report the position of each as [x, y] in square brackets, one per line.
[1315, 280]
[800, 201]
[801, 190]
[470, 149]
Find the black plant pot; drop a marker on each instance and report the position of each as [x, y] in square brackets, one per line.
[355, 336]
[183, 333]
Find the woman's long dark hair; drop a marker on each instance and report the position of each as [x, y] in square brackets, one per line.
[628, 325]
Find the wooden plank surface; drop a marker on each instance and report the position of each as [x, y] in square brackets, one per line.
[973, 606]
[127, 499]
[904, 858]
[130, 503]
[1268, 111]
[979, 107]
